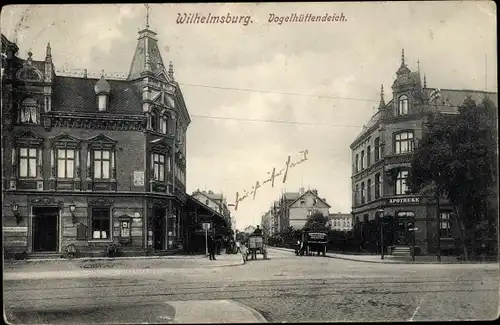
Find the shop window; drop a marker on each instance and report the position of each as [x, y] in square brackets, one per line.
[403, 142]
[445, 224]
[101, 223]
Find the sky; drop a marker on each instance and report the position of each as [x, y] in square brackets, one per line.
[260, 92]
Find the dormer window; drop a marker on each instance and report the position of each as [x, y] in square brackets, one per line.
[403, 105]
[102, 90]
[28, 112]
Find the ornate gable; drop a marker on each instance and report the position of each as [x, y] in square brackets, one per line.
[101, 202]
[65, 140]
[102, 138]
[28, 137]
[161, 145]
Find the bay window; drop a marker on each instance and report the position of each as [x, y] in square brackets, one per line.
[403, 142]
[29, 111]
[401, 187]
[158, 164]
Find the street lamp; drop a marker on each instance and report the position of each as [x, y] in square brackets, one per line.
[381, 216]
[15, 210]
[72, 209]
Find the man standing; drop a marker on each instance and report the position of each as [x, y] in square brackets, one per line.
[258, 231]
[211, 248]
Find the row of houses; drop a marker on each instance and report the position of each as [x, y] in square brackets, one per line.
[90, 161]
[292, 209]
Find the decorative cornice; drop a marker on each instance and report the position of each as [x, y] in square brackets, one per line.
[101, 201]
[46, 201]
[94, 122]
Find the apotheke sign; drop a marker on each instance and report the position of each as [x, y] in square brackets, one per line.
[404, 200]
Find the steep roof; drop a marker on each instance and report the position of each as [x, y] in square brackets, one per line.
[313, 193]
[450, 99]
[72, 94]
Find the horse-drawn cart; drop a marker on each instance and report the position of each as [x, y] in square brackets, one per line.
[314, 241]
[255, 246]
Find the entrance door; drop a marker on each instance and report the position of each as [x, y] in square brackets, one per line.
[404, 232]
[44, 228]
[159, 229]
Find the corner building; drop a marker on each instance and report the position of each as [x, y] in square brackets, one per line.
[382, 156]
[88, 162]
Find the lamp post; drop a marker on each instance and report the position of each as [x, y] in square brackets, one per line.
[72, 208]
[381, 216]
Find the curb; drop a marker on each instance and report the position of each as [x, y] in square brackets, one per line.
[255, 313]
[387, 261]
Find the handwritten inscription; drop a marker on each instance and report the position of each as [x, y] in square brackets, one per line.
[273, 174]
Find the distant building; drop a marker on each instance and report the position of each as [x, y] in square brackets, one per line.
[249, 229]
[382, 155]
[214, 201]
[293, 208]
[340, 221]
[266, 223]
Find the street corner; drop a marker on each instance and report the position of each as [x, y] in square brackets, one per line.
[214, 311]
[224, 261]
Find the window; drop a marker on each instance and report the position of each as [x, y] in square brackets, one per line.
[362, 159]
[368, 156]
[28, 112]
[310, 212]
[101, 223]
[356, 166]
[154, 121]
[369, 190]
[377, 149]
[362, 193]
[378, 182]
[356, 195]
[445, 224]
[206, 202]
[164, 125]
[65, 163]
[403, 142]
[102, 164]
[401, 187]
[302, 202]
[27, 162]
[403, 105]
[158, 167]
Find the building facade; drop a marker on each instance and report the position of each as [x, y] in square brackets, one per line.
[381, 160]
[293, 209]
[340, 221]
[92, 161]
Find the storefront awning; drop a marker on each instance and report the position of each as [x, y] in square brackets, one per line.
[205, 213]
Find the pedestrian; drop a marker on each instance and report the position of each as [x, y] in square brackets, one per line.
[238, 249]
[211, 247]
[257, 231]
[243, 252]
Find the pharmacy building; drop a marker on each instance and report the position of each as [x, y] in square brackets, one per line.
[381, 160]
[92, 162]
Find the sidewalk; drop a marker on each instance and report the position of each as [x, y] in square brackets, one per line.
[55, 268]
[390, 259]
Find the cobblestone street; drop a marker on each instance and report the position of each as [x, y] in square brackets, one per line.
[284, 288]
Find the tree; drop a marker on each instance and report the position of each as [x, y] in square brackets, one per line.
[316, 221]
[457, 157]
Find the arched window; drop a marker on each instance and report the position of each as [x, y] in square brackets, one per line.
[403, 105]
[163, 125]
[154, 121]
[362, 159]
[356, 166]
[28, 112]
[369, 190]
[362, 193]
[356, 194]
